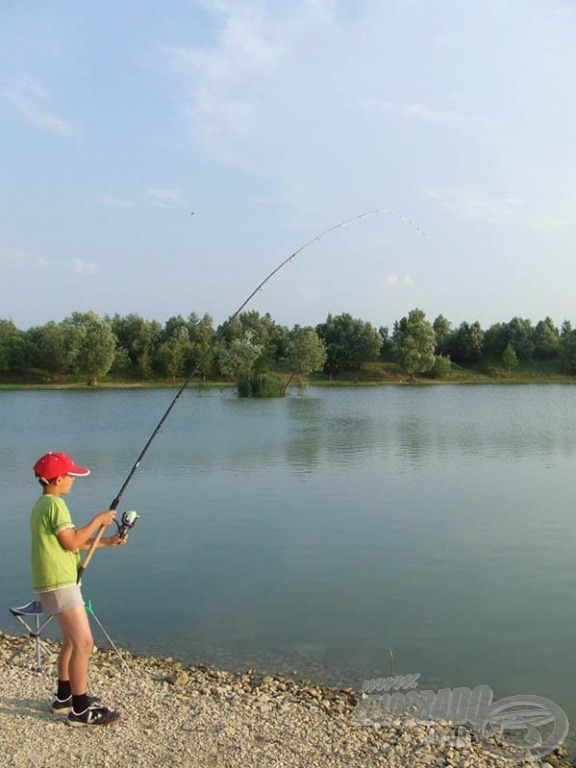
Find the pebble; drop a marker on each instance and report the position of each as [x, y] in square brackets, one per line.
[198, 716]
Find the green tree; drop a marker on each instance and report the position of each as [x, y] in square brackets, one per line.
[264, 332]
[349, 342]
[519, 332]
[121, 365]
[566, 329]
[239, 357]
[416, 342]
[172, 327]
[521, 335]
[173, 353]
[49, 347]
[201, 336]
[138, 340]
[441, 368]
[91, 345]
[442, 329]
[388, 348]
[546, 339]
[306, 353]
[496, 338]
[568, 353]
[466, 343]
[229, 331]
[267, 333]
[278, 343]
[509, 358]
[12, 346]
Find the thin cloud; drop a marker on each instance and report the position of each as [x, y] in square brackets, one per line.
[405, 280]
[423, 113]
[83, 268]
[566, 13]
[12, 259]
[115, 202]
[33, 103]
[444, 40]
[244, 48]
[165, 196]
[473, 205]
[243, 108]
[230, 91]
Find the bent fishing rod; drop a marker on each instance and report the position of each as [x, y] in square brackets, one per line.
[129, 518]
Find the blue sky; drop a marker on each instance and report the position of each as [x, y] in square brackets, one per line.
[163, 157]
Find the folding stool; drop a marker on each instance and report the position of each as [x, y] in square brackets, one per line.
[33, 611]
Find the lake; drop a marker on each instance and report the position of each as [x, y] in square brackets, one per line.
[312, 534]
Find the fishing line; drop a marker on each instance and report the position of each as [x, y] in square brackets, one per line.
[215, 340]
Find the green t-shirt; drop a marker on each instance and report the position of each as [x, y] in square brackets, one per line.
[52, 565]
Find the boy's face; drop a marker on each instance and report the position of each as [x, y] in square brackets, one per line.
[67, 483]
[61, 485]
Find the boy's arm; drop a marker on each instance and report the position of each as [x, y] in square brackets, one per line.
[106, 541]
[73, 539]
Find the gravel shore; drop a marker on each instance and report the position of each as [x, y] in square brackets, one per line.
[200, 717]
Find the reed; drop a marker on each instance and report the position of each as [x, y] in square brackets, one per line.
[260, 385]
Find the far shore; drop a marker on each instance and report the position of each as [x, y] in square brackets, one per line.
[199, 385]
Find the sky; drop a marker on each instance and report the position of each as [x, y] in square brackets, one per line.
[163, 158]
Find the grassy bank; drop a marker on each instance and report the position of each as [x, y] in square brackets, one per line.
[370, 374]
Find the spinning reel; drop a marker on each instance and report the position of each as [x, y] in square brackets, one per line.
[128, 522]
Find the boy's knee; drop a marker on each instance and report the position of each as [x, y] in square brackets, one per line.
[84, 644]
[89, 644]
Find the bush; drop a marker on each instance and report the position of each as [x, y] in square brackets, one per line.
[441, 368]
[260, 385]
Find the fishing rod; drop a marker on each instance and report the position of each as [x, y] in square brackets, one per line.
[129, 518]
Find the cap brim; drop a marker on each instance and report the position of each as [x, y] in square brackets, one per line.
[78, 472]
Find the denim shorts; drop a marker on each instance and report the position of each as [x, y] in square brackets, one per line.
[57, 600]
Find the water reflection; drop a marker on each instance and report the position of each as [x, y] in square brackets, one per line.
[304, 443]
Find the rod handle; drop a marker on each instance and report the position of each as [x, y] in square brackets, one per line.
[86, 561]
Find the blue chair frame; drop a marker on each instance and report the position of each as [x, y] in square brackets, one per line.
[33, 612]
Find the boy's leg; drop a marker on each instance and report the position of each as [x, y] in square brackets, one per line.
[77, 646]
[76, 634]
[64, 660]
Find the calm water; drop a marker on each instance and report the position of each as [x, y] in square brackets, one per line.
[316, 533]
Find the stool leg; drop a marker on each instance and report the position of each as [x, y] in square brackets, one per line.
[34, 631]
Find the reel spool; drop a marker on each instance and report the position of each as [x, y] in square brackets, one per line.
[128, 522]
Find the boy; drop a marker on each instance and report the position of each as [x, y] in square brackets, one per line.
[55, 561]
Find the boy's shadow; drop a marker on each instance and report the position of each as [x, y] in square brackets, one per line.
[18, 707]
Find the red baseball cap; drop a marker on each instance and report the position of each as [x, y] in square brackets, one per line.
[55, 464]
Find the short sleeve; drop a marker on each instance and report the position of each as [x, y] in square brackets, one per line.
[59, 516]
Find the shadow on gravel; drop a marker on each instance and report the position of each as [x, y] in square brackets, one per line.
[13, 707]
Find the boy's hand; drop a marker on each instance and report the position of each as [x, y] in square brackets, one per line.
[115, 541]
[105, 518]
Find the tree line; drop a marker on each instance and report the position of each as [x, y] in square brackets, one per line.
[91, 347]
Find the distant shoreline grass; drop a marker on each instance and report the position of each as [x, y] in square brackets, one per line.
[488, 371]
[342, 381]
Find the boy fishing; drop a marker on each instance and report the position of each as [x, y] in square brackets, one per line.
[55, 558]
